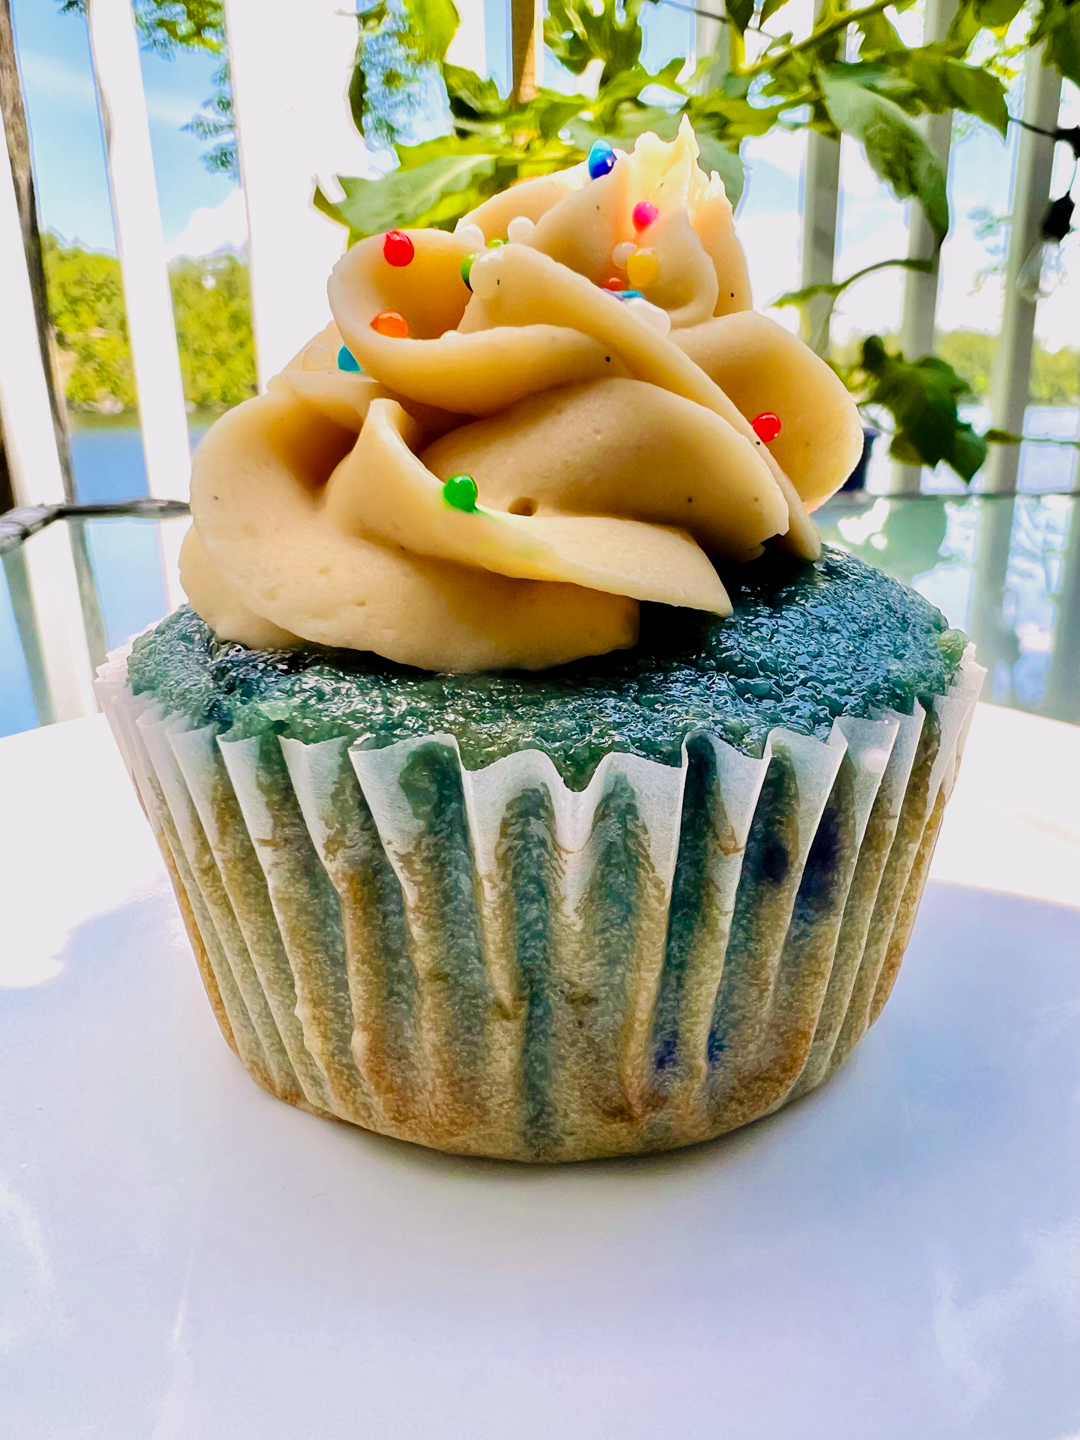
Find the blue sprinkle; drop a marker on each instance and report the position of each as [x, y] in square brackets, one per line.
[666, 1053]
[346, 360]
[628, 294]
[601, 159]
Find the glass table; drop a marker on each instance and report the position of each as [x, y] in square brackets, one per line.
[895, 1255]
[1004, 569]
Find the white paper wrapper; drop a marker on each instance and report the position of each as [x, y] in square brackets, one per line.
[489, 963]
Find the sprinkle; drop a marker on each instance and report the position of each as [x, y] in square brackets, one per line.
[494, 244]
[644, 215]
[657, 319]
[766, 426]
[460, 491]
[470, 235]
[629, 295]
[622, 253]
[601, 159]
[318, 357]
[614, 282]
[484, 275]
[346, 360]
[520, 230]
[391, 324]
[643, 269]
[397, 248]
[466, 269]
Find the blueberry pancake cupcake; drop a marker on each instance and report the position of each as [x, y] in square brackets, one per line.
[531, 781]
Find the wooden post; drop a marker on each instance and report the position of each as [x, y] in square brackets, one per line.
[526, 47]
[1031, 192]
[141, 244]
[17, 134]
[921, 290]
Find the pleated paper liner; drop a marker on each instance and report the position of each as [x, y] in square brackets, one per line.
[490, 963]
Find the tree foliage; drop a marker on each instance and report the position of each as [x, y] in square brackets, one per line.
[212, 308]
[171, 25]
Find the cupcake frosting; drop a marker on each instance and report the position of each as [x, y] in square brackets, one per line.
[498, 449]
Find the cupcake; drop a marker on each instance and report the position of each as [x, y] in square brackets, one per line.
[532, 782]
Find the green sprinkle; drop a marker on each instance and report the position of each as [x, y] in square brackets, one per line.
[460, 491]
[491, 244]
[466, 268]
[346, 360]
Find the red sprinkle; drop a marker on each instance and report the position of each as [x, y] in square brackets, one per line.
[397, 248]
[615, 283]
[644, 215]
[766, 426]
[389, 322]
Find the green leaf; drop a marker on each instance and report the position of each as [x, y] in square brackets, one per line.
[470, 95]
[715, 155]
[576, 34]
[834, 288]
[922, 398]
[770, 7]
[431, 25]
[944, 83]
[740, 13]
[1064, 43]
[997, 14]
[429, 194]
[894, 148]
[1002, 437]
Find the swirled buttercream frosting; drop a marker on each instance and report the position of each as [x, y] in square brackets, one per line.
[512, 434]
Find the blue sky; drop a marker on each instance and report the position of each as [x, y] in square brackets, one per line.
[69, 162]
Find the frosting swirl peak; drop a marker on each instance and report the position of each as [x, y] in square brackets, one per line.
[595, 378]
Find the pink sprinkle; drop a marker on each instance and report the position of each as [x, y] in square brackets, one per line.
[644, 215]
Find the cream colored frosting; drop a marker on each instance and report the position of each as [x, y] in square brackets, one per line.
[610, 440]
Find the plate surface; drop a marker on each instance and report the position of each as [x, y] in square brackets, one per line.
[181, 1256]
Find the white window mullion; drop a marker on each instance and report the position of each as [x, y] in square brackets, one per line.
[141, 243]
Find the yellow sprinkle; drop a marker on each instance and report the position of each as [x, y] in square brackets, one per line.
[642, 269]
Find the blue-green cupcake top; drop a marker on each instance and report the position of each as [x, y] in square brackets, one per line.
[805, 644]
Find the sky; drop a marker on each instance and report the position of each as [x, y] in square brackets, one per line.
[69, 160]
[202, 212]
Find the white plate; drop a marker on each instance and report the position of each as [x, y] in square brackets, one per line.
[182, 1256]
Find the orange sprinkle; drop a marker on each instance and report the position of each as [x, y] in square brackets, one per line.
[389, 322]
[615, 283]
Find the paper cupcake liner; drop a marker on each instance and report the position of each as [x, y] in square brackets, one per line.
[490, 963]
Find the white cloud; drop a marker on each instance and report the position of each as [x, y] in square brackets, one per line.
[222, 228]
[56, 80]
[171, 109]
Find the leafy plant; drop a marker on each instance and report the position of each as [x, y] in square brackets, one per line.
[922, 397]
[813, 82]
